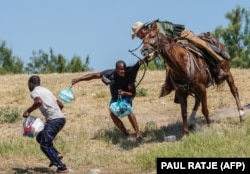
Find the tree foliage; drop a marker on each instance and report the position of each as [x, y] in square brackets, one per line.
[156, 64]
[9, 63]
[236, 37]
[41, 62]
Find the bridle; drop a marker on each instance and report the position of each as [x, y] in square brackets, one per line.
[145, 60]
[152, 50]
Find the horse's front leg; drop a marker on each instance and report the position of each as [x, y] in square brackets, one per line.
[182, 97]
[192, 120]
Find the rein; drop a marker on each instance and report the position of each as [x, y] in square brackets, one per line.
[136, 49]
[145, 68]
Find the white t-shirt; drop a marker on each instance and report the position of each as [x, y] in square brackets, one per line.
[49, 107]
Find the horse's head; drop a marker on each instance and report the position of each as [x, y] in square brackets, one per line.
[151, 45]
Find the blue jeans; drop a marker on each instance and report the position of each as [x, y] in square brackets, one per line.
[45, 139]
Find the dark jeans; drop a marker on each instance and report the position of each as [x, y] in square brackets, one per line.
[45, 139]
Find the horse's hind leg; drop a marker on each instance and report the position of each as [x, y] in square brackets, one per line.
[234, 91]
[203, 97]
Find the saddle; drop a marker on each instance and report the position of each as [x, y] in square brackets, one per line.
[214, 44]
[211, 50]
[207, 43]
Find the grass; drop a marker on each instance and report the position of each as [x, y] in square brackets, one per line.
[9, 115]
[90, 140]
[225, 143]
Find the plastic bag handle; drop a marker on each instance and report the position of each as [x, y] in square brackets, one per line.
[70, 88]
[119, 98]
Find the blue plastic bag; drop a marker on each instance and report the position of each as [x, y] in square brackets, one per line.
[121, 108]
[67, 95]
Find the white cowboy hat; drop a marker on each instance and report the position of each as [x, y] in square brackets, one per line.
[136, 28]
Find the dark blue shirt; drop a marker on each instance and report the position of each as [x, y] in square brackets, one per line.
[118, 82]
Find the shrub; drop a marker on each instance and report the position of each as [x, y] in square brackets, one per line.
[9, 115]
[141, 92]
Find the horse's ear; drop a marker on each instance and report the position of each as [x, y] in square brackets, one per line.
[154, 26]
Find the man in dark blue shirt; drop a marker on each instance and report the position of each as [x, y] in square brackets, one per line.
[122, 82]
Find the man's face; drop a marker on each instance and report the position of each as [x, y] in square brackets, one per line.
[142, 33]
[120, 70]
[31, 86]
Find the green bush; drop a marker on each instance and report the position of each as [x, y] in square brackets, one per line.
[141, 92]
[9, 115]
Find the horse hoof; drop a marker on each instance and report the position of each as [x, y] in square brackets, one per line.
[183, 137]
[242, 118]
[242, 115]
[191, 122]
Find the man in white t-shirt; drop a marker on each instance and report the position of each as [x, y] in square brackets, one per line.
[51, 108]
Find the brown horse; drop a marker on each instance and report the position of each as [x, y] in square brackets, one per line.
[190, 74]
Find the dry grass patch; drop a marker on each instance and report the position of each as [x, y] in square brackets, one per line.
[89, 139]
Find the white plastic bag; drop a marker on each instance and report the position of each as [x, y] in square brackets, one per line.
[32, 126]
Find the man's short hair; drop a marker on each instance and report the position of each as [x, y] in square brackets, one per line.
[35, 79]
[118, 62]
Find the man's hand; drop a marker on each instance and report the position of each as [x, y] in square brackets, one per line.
[125, 93]
[26, 114]
[74, 81]
[141, 62]
[120, 92]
